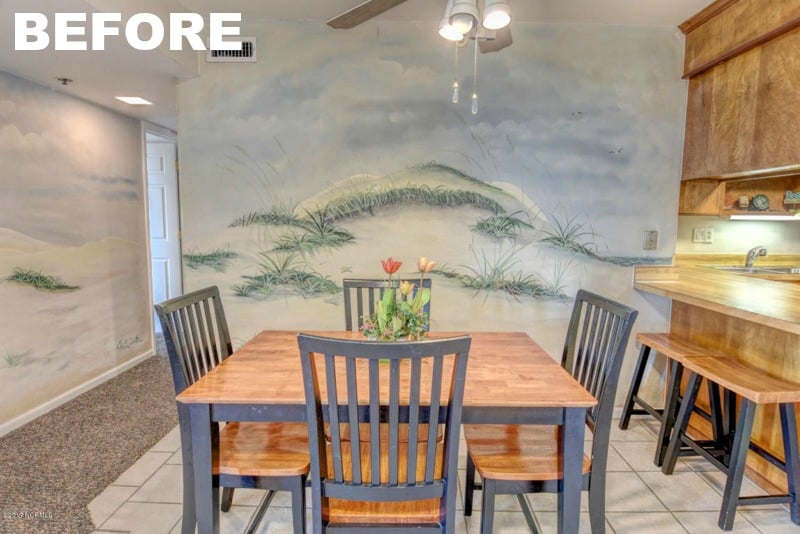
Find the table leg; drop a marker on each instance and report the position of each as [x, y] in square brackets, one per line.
[569, 498]
[206, 496]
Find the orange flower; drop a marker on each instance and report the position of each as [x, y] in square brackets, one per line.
[390, 266]
[424, 265]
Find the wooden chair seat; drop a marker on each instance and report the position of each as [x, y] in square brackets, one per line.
[517, 452]
[393, 512]
[263, 450]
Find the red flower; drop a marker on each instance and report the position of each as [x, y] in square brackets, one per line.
[390, 266]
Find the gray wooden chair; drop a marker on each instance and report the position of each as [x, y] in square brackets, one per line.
[401, 402]
[519, 459]
[272, 456]
[360, 295]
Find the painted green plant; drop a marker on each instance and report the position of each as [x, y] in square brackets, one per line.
[275, 216]
[13, 359]
[319, 230]
[367, 201]
[284, 271]
[38, 280]
[435, 166]
[573, 236]
[498, 274]
[501, 225]
[217, 259]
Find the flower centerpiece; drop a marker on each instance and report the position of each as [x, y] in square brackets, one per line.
[400, 312]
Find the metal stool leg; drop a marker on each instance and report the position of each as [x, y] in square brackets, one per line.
[741, 444]
[792, 459]
[633, 391]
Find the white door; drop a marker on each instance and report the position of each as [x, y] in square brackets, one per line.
[165, 246]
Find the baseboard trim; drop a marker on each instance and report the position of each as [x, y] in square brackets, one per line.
[42, 409]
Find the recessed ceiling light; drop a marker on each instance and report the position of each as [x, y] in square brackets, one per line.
[134, 100]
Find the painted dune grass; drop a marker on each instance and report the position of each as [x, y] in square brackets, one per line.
[38, 280]
[287, 272]
[218, 259]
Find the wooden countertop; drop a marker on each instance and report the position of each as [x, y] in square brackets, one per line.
[767, 302]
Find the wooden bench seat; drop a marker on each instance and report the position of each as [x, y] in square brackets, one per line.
[753, 386]
[744, 380]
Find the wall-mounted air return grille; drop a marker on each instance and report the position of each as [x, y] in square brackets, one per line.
[246, 55]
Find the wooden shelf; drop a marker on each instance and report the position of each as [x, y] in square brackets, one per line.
[720, 197]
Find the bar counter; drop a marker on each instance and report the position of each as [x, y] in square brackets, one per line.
[752, 320]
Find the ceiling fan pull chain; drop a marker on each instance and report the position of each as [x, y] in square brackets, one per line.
[455, 75]
[475, 80]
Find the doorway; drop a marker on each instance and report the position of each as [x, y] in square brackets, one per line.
[161, 153]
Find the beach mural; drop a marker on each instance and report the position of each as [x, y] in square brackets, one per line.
[73, 256]
[338, 149]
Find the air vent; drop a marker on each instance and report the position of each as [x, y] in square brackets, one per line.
[246, 55]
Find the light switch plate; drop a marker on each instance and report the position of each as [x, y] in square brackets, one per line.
[650, 240]
[703, 235]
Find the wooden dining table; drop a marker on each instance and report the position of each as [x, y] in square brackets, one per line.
[510, 379]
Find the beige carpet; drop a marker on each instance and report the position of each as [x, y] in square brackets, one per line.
[56, 465]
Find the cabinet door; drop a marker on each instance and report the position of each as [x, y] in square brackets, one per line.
[743, 115]
[777, 129]
[721, 118]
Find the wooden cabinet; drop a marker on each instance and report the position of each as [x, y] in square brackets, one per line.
[743, 108]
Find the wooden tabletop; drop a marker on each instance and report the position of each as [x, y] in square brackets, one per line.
[773, 304]
[505, 369]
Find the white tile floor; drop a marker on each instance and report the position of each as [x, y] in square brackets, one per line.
[640, 499]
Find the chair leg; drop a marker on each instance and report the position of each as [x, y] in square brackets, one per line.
[299, 506]
[675, 372]
[790, 451]
[258, 515]
[633, 391]
[597, 502]
[682, 421]
[741, 444]
[487, 506]
[227, 499]
[469, 486]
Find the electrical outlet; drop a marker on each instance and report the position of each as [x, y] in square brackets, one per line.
[703, 235]
[650, 240]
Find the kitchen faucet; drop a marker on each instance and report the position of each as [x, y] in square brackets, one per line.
[753, 254]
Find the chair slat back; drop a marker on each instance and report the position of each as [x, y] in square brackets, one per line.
[360, 295]
[597, 337]
[383, 404]
[196, 334]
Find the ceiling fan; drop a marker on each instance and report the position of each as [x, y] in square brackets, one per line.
[488, 40]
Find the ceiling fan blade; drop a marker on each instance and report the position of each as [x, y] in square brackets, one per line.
[502, 39]
[362, 13]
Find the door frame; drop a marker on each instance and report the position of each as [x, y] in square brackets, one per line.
[165, 135]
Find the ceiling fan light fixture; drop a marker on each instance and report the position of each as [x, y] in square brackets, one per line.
[448, 31]
[463, 15]
[496, 14]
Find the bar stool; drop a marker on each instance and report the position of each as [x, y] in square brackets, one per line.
[675, 349]
[753, 387]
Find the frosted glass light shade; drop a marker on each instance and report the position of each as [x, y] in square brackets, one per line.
[448, 31]
[463, 15]
[496, 14]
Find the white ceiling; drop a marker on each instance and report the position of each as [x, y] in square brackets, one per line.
[120, 70]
